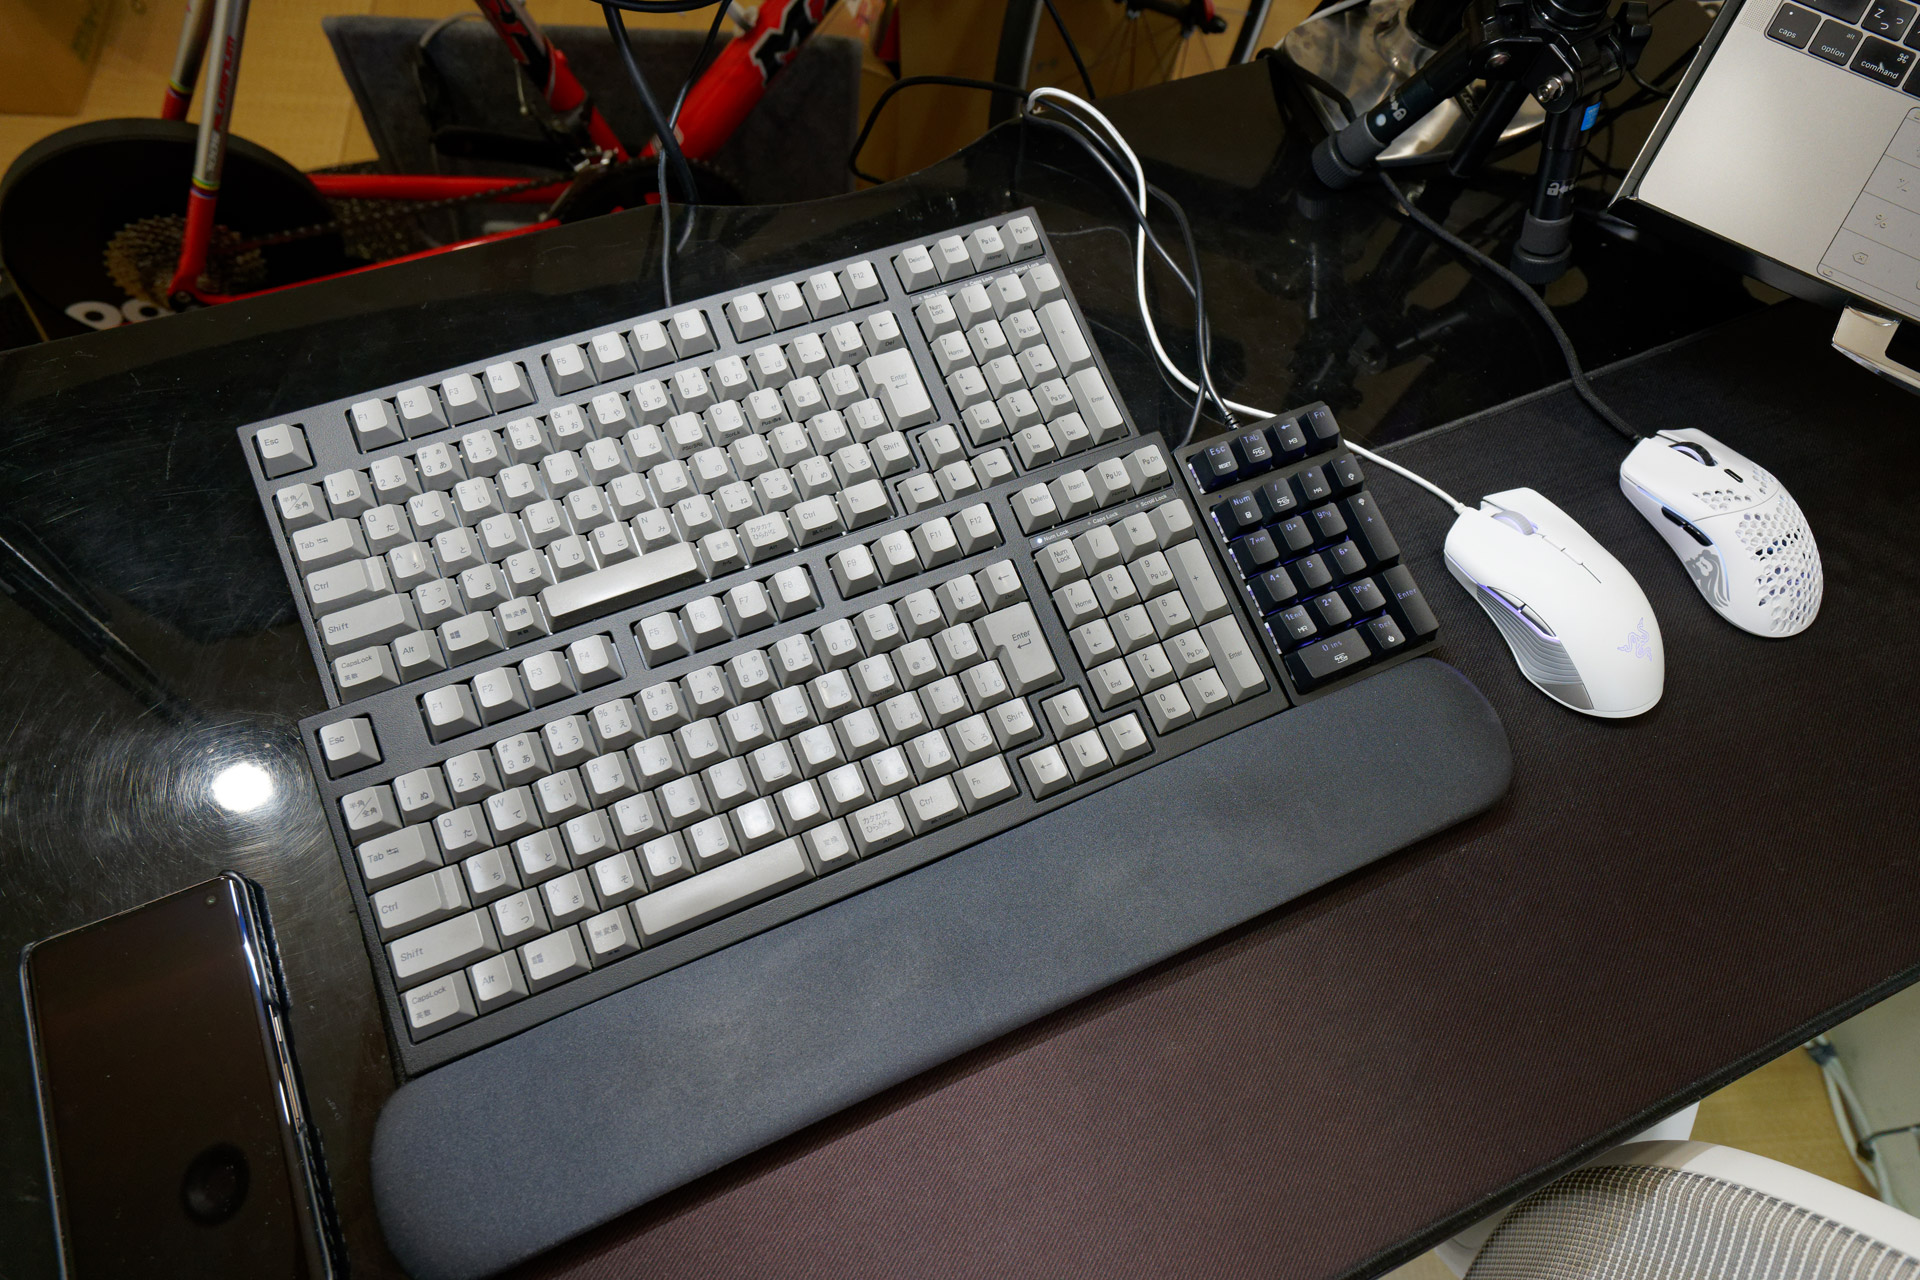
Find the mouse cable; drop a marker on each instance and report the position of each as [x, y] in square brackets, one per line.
[1405, 474]
[1194, 285]
[1576, 374]
[1087, 114]
[666, 141]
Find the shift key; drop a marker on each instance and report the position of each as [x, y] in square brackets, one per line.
[442, 948]
[375, 622]
[629, 582]
[1014, 637]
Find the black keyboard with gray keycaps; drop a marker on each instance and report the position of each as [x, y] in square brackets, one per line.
[645, 639]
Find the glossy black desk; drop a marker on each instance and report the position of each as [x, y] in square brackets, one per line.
[117, 455]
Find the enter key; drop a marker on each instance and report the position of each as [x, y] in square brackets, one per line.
[1014, 637]
[1233, 658]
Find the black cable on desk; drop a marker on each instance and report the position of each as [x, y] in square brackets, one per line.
[1195, 286]
[668, 143]
[1103, 154]
[1576, 373]
[1073, 50]
[912, 82]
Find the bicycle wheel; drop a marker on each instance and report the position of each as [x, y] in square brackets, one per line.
[1126, 44]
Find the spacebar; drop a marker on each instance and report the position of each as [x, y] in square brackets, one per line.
[618, 585]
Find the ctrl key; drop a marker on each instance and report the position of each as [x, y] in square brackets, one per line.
[439, 1005]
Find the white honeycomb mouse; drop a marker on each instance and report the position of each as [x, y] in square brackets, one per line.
[1578, 624]
[1736, 529]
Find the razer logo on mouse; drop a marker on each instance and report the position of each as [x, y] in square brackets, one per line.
[1638, 643]
[1710, 576]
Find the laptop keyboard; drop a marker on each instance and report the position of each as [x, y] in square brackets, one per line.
[1872, 38]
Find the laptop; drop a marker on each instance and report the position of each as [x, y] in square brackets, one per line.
[1795, 136]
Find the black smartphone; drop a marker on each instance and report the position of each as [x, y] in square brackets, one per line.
[176, 1140]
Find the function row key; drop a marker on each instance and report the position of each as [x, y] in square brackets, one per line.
[503, 692]
[741, 610]
[458, 398]
[863, 567]
[1288, 438]
[982, 249]
[1074, 494]
[573, 367]
[822, 294]
[282, 449]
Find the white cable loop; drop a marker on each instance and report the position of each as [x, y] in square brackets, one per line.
[1080, 106]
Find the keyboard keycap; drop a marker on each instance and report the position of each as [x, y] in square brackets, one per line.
[720, 891]
[636, 581]
[1836, 42]
[435, 1007]
[1328, 659]
[551, 960]
[892, 379]
[1013, 636]
[1883, 60]
[442, 948]
[1408, 607]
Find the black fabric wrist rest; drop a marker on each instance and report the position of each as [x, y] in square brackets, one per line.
[498, 1156]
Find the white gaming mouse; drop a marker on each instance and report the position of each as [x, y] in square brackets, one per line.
[1736, 529]
[1578, 624]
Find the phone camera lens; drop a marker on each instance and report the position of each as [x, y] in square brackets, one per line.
[215, 1184]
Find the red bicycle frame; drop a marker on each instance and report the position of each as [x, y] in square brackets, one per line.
[715, 105]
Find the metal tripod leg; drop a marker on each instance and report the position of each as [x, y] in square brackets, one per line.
[1546, 244]
[1341, 159]
[1489, 123]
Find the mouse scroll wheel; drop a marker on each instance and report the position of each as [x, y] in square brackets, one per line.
[1514, 520]
[1695, 452]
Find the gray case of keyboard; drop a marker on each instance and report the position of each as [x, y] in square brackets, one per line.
[452, 1206]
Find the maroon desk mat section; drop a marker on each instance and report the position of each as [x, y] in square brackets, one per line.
[1658, 906]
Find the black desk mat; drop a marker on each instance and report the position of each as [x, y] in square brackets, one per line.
[1657, 906]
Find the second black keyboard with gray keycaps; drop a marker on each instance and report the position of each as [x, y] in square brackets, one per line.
[645, 639]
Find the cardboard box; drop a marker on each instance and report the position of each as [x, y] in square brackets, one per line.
[47, 52]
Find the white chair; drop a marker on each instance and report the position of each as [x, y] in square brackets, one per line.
[1683, 1210]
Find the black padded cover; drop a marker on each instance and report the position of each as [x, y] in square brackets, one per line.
[500, 1155]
